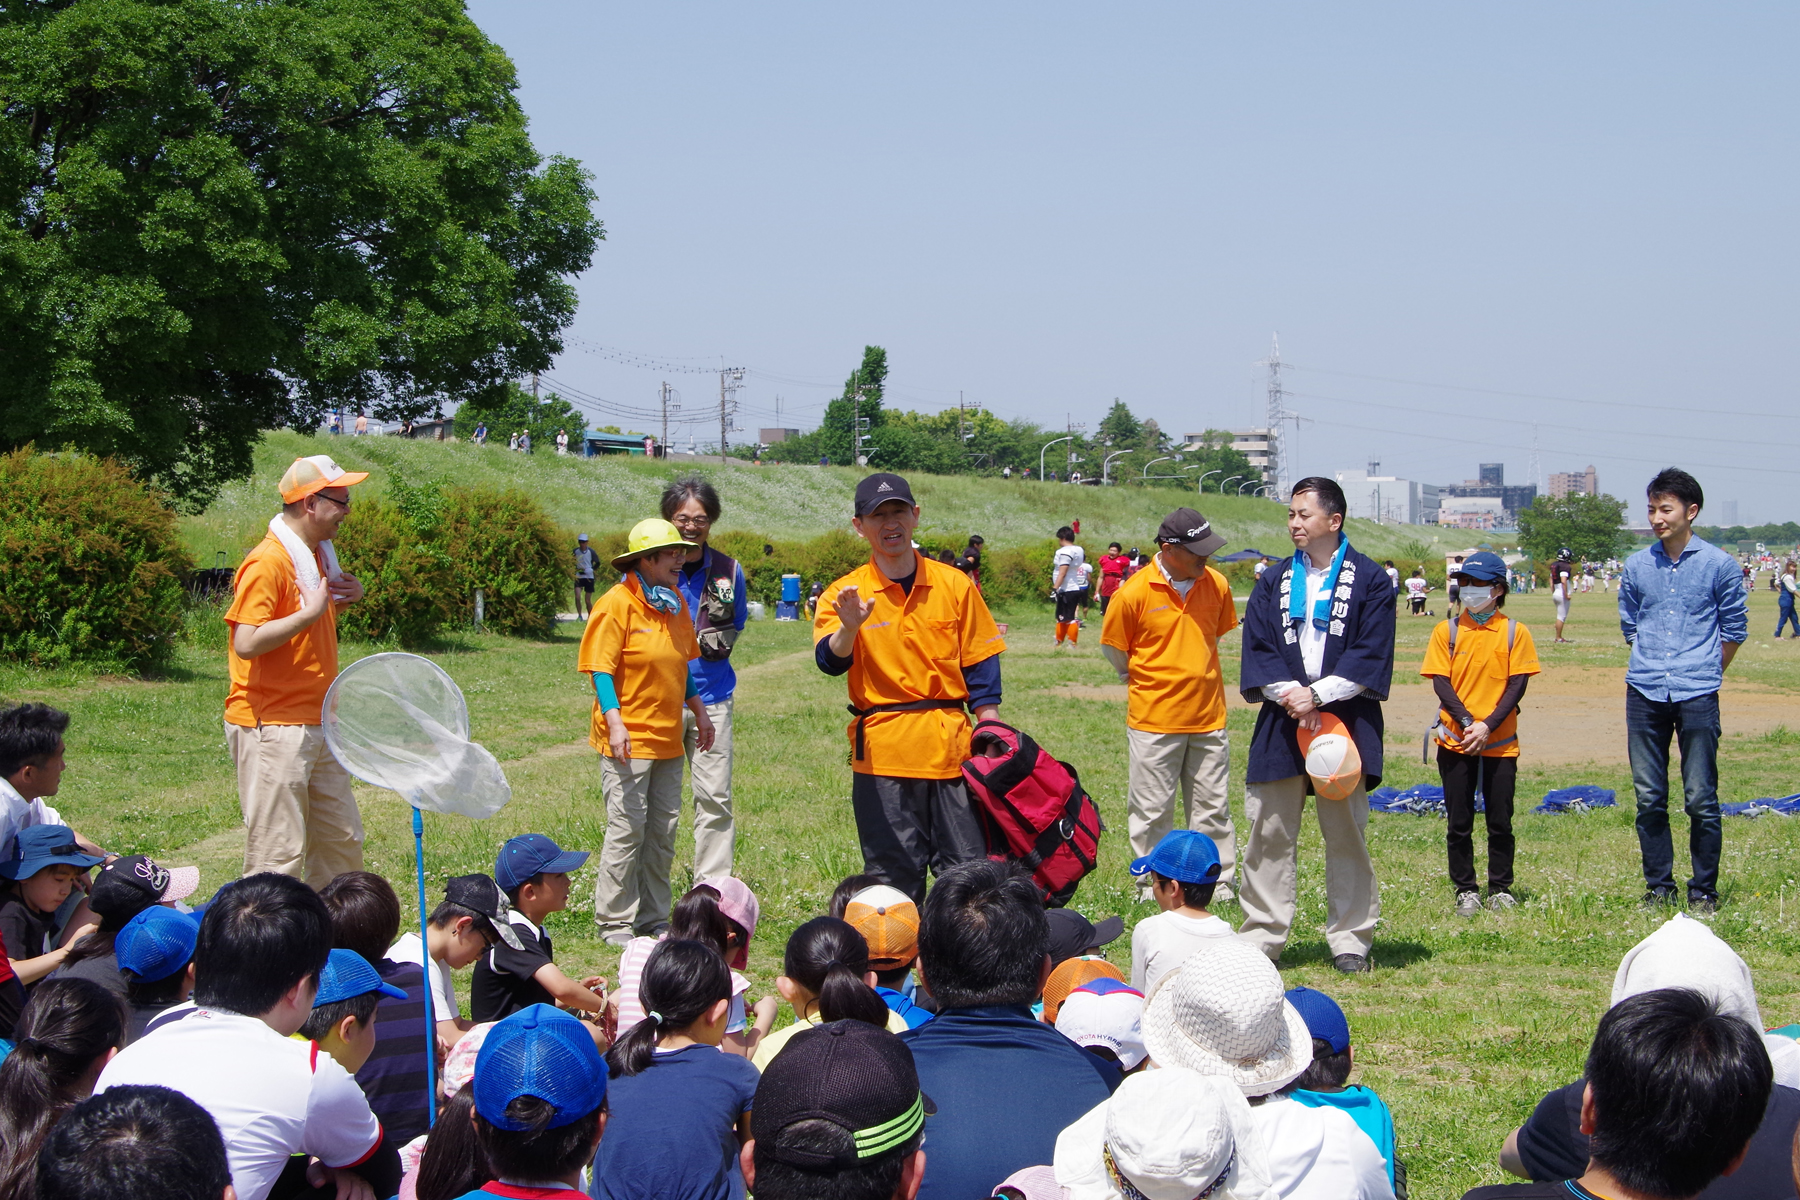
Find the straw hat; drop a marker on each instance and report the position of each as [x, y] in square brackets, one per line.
[1173, 1134]
[1222, 1012]
[652, 534]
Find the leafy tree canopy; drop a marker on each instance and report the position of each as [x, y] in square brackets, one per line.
[1591, 526]
[223, 217]
[1118, 428]
[1787, 533]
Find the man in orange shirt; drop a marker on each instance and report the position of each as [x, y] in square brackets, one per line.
[299, 812]
[1162, 635]
[919, 650]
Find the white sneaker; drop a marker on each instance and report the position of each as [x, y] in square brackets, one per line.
[618, 938]
[1502, 901]
[1468, 903]
[1222, 894]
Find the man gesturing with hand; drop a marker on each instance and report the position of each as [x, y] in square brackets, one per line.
[919, 647]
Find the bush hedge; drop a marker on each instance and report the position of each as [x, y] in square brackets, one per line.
[94, 563]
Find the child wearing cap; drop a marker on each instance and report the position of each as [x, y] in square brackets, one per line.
[121, 890]
[1173, 1132]
[155, 953]
[40, 875]
[1325, 1084]
[342, 1021]
[470, 919]
[1105, 1017]
[533, 871]
[1075, 958]
[889, 923]
[720, 913]
[1183, 870]
[540, 1105]
[1479, 663]
[826, 977]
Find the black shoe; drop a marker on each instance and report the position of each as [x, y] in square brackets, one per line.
[1657, 897]
[1352, 964]
[1702, 906]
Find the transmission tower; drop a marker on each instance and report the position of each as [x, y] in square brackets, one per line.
[1279, 466]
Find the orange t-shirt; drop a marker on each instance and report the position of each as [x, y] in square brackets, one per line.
[646, 651]
[913, 647]
[287, 685]
[1173, 647]
[1479, 675]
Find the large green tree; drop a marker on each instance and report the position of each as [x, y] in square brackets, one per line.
[223, 216]
[1591, 526]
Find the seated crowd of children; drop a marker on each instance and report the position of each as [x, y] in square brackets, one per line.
[281, 1042]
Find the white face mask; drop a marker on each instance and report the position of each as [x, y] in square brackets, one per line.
[1477, 597]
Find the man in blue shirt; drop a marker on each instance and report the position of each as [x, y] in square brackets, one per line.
[713, 586]
[1682, 609]
[1005, 1083]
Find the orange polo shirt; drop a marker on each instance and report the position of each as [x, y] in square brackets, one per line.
[913, 647]
[287, 685]
[646, 652]
[1173, 646]
[1479, 675]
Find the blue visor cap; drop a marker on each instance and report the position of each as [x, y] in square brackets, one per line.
[543, 1052]
[533, 854]
[347, 975]
[156, 943]
[1184, 856]
[43, 846]
[1484, 566]
[1324, 1019]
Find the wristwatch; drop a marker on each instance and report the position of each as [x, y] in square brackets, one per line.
[1317, 703]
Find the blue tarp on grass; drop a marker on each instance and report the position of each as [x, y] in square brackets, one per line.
[1429, 798]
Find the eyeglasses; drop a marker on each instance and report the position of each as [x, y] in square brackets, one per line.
[682, 522]
[344, 503]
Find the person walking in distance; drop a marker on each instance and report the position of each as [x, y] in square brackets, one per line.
[1789, 588]
[1318, 640]
[918, 644]
[587, 562]
[1562, 585]
[282, 651]
[1161, 634]
[1067, 586]
[1682, 610]
[718, 600]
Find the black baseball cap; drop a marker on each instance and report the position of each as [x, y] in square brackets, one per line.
[481, 894]
[1192, 532]
[877, 489]
[848, 1073]
[1072, 934]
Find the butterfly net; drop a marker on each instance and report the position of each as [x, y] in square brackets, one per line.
[399, 721]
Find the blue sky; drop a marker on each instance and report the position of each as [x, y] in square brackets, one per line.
[1581, 217]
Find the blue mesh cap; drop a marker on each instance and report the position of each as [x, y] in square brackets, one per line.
[544, 1052]
[533, 854]
[1184, 856]
[1324, 1019]
[1483, 565]
[156, 943]
[348, 974]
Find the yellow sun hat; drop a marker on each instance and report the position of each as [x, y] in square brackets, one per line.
[652, 534]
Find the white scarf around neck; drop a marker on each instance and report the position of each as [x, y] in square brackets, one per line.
[306, 568]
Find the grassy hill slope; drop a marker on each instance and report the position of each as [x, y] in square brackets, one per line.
[603, 495]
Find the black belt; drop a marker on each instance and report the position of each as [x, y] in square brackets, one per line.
[909, 706]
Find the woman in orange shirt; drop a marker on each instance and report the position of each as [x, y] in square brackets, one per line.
[638, 643]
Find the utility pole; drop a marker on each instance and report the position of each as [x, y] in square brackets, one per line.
[729, 382]
[534, 387]
[664, 444]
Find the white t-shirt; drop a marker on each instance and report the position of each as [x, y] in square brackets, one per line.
[1072, 557]
[273, 1097]
[1319, 1153]
[16, 813]
[1416, 586]
[1393, 573]
[1260, 568]
[1161, 943]
[410, 949]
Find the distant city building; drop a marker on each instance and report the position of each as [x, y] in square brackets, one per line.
[1254, 444]
[1492, 473]
[1514, 498]
[769, 437]
[1388, 498]
[1728, 514]
[1575, 483]
[1473, 512]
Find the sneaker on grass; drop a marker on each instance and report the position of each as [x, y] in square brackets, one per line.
[1502, 901]
[1468, 903]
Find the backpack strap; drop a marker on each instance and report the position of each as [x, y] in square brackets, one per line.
[1453, 623]
[1512, 632]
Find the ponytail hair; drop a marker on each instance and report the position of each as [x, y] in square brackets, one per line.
[829, 958]
[682, 979]
[698, 918]
[65, 1027]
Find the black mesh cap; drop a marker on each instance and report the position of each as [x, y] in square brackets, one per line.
[848, 1073]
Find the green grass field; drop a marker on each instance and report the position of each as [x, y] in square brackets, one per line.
[1462, 1027]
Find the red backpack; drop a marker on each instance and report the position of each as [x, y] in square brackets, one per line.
[1032, 809]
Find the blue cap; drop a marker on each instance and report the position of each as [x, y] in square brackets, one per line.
[43, 846]
[156, 943]
[1483, 565]
[1183, 855]
[347, 975]
[533, 854]
[544, 1052]
[1324, 1019]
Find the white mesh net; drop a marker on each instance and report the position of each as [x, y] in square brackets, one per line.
[398, 721]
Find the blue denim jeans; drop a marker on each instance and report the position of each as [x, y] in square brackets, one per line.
[1785, 616]
[1695, 724]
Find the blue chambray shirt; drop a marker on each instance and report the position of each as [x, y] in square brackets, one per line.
[1677, 614]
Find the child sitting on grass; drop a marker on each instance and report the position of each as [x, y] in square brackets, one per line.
[720, 913]
[123, 888]
[680, 1106]
[1183, 870]
[533, 871]
[540, 1105]
[342, 1021]
[155, 952]
[471, 918]
[69, 1030]
[1324, 1084]
[42, 871]
[889, 922]
[827, 978]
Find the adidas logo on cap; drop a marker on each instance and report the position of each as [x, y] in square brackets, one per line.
[885, 487]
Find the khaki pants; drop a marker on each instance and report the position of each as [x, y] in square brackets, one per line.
[299, 812]
[643, 808]
[1199, 764]
[1270, 886]
[715, 837]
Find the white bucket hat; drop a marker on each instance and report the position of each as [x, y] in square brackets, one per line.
[1172, 1134]
[1222, 1012]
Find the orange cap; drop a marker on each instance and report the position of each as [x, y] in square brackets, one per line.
[1332, 759]
[889, 921]
[1070, 974]
[309, 475]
